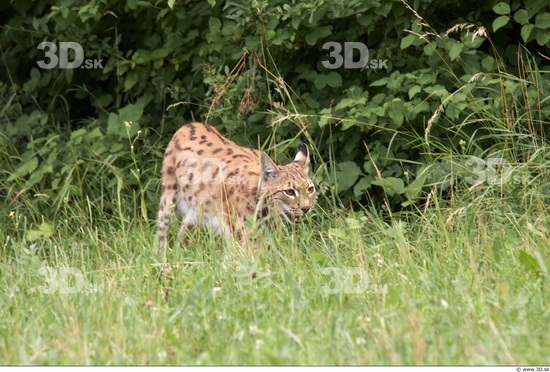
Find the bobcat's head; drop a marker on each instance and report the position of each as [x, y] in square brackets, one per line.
[287, 190]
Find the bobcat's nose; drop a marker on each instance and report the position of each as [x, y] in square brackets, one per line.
[305, 209]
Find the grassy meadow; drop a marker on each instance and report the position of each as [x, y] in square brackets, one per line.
[462, 284]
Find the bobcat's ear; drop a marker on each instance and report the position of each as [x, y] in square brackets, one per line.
[302, 157]
[269, 169]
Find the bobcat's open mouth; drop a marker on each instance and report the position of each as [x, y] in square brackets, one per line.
[293, 217]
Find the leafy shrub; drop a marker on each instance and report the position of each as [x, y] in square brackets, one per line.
[255, 70]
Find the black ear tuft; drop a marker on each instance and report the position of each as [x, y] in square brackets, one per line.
[302, 157]
[303, 148]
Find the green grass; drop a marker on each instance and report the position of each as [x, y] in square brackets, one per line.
[445, 286]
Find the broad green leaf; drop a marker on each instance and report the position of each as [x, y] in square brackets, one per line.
[214, 23]
[407, 41]
[116, 148]
[488, 63]
[256, 117]
[227, 29]
[310, 101]
[323, 31]
[391, 185]
[125, 123]
[333, 79]
[131, 112]
[380, 82]
[500, 22]
[311, 38]
[502, 8]
[543, 20]
[143, 3]
[171, 3]
[346, 102]
[522, 17]
[542, 38]
[320, 81]
[428, 50]
[414, 90]
[114, 125]
[384, 9]
[379, 98]
[131, 80]
[347, 175]
[427, 78]
[455, 51]
[350, 167]
[158, 53]
[363, 184]
[526, 31]
[323, 120]
[395, 112]
[87, 11]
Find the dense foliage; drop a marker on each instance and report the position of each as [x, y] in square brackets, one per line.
[444, 73]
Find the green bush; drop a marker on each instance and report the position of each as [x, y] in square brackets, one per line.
[255, 70]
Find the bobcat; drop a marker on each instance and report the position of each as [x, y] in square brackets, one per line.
[215, 183]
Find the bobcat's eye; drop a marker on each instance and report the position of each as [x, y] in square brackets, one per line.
[290, 192]
[311, 190]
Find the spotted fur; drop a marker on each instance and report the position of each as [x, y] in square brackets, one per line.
[216, 183]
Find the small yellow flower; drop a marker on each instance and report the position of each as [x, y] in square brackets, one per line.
[12, 214]
[128, 124]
